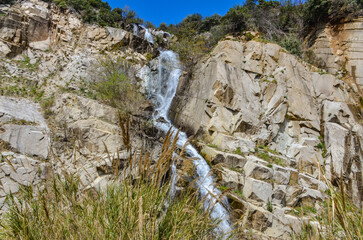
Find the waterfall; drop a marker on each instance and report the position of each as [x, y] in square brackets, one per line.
[136, 29]
[148, 36]
[162, 89]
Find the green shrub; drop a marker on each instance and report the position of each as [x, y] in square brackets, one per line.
[292, 44]
[112, 85]
[316, 11]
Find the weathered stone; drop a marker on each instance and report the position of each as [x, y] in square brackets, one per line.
[257, 171]
[20, 109]
[257, 190]
[232, 179]
[30, 140]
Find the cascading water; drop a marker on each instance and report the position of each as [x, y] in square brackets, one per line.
[162, 89]
[148, 36]
[136, 29]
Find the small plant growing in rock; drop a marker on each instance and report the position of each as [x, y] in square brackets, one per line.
[239, 193]
[269, 206]
[239, 152]
[212, 145]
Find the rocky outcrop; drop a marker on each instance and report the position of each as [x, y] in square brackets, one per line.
[42, 26]
[279, 116]
[18, 170]
[23, 127]
[51, 57]
[339, 47]
[24, 145]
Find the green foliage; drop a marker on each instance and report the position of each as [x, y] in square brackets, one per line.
[163, 27]
[292, 44]
[99, 12]
[223, 188]
[239, 193]
[316, 11]
[322, 11]
[341, 218]
[269, 206]
[239, 151]
[113, 86]
[122, 211]
[213, 145]
[7, 1]
[236, 18]
[265, 153]
[47, 105]
[209, 22]
[150, 25]
[322, 147]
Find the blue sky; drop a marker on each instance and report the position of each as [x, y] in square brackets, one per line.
[171, 12]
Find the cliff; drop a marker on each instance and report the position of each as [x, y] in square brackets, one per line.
[269, 118]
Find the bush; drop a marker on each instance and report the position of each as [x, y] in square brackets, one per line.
[112, 85]
[99, 12]
[293, 45]
[316, 11]
[7, 1]
[322, 11]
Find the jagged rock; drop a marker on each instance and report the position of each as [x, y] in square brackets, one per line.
[279, 195]
[257, 190]
[246, 94]
[340, 50]
[281, 175]
[258, 172]
[4, 49]
[232, 179]
[18, 170]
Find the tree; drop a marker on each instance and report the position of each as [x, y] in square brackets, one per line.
[316, 11]
[235, 18]
[209, 22]
[163, 27]
[150, 25]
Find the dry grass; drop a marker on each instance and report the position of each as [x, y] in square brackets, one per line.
[342, 218]
[137, 206]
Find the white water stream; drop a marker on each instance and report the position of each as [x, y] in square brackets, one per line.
[148, 36]
[162, 89]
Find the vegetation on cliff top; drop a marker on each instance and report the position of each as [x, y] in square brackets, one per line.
[96, 11]
[285, 22]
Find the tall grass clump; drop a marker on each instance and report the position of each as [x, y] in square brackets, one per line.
[138, 205]
[342, 218]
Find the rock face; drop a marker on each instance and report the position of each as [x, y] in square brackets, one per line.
[340, 48]
[41, 26]
[17, 170]
[24, 127]
[50, 57]
[263, 116]
[25, 131]
[257, 100]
